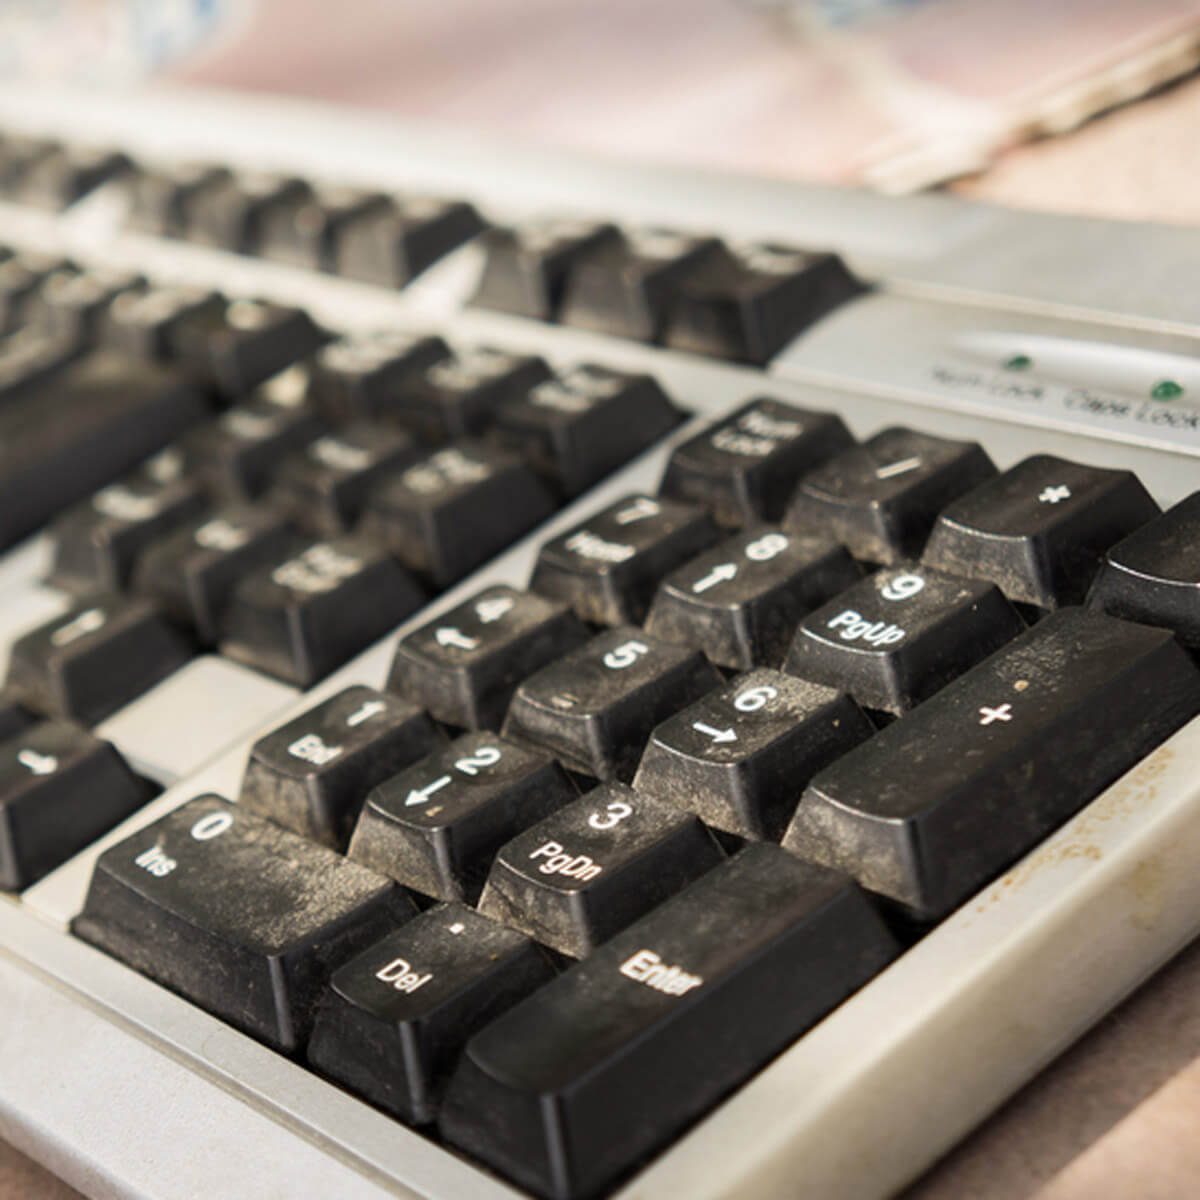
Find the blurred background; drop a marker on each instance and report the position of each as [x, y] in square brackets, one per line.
[1083, 105]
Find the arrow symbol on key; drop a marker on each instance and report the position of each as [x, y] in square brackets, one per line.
[448, 635]
[421, 795]
[717, 735]
[719, 574]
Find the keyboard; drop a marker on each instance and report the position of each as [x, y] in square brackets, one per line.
[531, 675]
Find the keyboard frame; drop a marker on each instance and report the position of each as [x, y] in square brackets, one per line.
[126, 1090]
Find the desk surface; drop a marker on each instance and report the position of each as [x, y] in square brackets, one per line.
[1117, 1114]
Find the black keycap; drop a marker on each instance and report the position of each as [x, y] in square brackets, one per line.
[1153, 575]
[235, 347]
[236, 455]
[741, 601]
[324, 487]
[18, 155]
[437, 826]
[146, 323]
[749, 304]
[882, 498]
[95, 658]
[608, 567]
[29, 358]
[937, 804]
[76, 306]
[96, 545]
[460, 395]
[739, 758]
[21, 279]
[627, 288]
[305, 231]
[84, 426]
[527, 266]
[580, 427]
[312, 775]
[229, 214]
[191, 574]
[595, 707]
[595, 1071]
[392, 246]
[159, 196]
[60, 789]
[894, 639]
[363, 378]
[1040, 530]
[59, 179]
[245, 919]
[588, 870]
[464, 665]
[746, 466]
[14, 717]
[394, 1020]
[302, 618]
[455, 509]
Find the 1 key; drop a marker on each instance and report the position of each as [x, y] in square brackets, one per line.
[436, 827]
[1040, 530]
[894, 639]
[465, 665]
[881, 498]
[741, 601]
[312, 775]
[588, 870]
[607, 569]
[740, 757]
[595, 707]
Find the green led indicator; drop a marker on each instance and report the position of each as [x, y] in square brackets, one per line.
[1166, 389]
[1018, 362]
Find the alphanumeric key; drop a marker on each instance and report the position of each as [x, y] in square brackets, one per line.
[21, 278]
[159, 196]
[746, 466]
[394, 1020]
[595, 707]
[362, 378]
[82, 427]
[146, 323]
[97, 544]
[881, 498]
[740, 757]
[747, 305]
[894, 639]
[235, 347]
[586, 871]
[460, 395]
[453, 510]
[304, 232]
[528, 265]
[313, 774]
[436, 827]
[935, 805]
[1153, 575]
[60, 789]
[236, 455]
[324, 487]
[229, 214]
[627, 288]
[57, 180]
[741, 601]
[244, 918]
[301, 618]
[600, 1068]
[464, 665]
[14, 716]
[192, 573]
[1040, 530]
[580, 427]
[392, 246]
[76, 305]
[608, 567]
[95, 658]
[30, 357]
